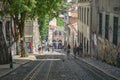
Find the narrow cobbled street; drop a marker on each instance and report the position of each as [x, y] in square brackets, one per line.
[56, 66]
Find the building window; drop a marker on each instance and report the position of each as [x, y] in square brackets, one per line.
[82, 15]
[87, 15]
[115, 30]
[100, 23]
[60, 33]
[7, 30]
[107, 27]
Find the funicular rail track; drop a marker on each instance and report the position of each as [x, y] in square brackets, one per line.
[41, 71]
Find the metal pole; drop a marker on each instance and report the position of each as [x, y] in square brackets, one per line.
[91, 28]
[19, 15]
[10, 54]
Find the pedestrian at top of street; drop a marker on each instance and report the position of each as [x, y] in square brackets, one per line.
[52, 48]
[65, 49]
[48, 49]
[42, 49]
[30, 47]
[78, 51]
[39, 49]
[81, 48]
[68, 51]
[62, 46]
[75, 50]
[68, 46]
[62, 50]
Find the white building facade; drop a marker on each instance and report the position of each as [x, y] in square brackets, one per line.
[32, 35]
[98, 25]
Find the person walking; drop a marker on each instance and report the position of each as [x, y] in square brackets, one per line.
[31, 47]
[39, 49]
[75, 50]
[42, 49]
[78, 51]
[81, 49]
[62, 50]
[68, 51]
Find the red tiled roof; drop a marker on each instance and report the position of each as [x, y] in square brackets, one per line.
[74, 14]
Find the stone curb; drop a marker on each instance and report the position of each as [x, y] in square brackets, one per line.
[14, 69]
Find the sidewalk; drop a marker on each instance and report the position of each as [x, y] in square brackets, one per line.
[104, 67]
[17, 62]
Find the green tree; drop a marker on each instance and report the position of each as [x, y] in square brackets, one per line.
[43, 27]
[60, 22]
[20, 10]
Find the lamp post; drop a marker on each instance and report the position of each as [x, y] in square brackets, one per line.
[91, 28]
[19, 11]
[10, 54]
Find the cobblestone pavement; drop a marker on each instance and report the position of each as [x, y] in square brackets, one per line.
[60, 70]
[106, 68]
[59, 67]
[56, 66]
[20, 72]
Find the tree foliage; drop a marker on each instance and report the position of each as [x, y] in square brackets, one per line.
[20, 10]
[43, 27]
[60, 21]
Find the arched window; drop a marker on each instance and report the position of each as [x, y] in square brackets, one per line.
[59, 33]
[54, 44]
[60, 44]
[55, 32]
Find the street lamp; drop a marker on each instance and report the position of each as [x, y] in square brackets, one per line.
[8, 27]
[10, 54]
[19, 15]
[91, 28]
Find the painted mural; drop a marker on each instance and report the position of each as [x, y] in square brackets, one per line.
[28, 47]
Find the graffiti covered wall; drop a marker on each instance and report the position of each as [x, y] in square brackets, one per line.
[107, 51]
